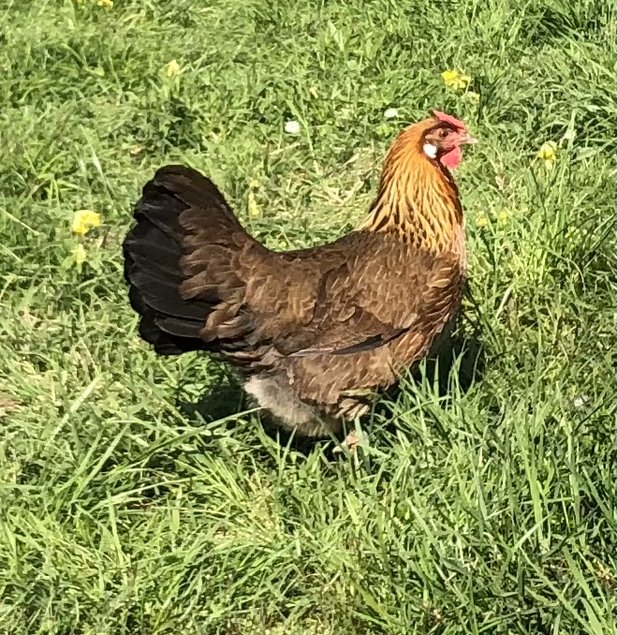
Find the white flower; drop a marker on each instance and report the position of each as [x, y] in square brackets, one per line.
[390, 113]
[292, 127]
[579, 402]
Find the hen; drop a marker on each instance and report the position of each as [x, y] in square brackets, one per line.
[315, 333]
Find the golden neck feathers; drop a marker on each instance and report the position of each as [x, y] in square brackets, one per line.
[417, 199]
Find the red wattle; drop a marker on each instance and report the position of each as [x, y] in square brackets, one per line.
[453, 158]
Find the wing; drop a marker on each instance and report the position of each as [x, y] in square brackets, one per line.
[199, 280]
[358, 293]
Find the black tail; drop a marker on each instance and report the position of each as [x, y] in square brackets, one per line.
[153, 250]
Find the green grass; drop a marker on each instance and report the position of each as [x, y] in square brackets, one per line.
[130, 503]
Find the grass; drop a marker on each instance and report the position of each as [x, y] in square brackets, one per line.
[136, 496]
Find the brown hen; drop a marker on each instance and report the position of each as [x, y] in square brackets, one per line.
[315, 333]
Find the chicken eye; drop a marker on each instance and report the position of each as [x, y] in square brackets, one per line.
[443, 133]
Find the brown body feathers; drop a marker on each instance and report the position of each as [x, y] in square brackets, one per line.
[316, 333]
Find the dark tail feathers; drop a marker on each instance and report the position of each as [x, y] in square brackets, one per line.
[152, 253]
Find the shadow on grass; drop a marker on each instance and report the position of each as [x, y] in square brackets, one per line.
[466, 352]
[226, 397]
[223, 399]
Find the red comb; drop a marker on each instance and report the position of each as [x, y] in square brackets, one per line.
[453, 121]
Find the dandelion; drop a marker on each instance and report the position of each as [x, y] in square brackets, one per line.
[481, 220]
[106, 4]
[252, 205]
[390, 113]
[548, 154]
[455, 80]
[292, 127]
[172, 69]
[79, 255]
[84, 220]
[253, 208]
[503, 217]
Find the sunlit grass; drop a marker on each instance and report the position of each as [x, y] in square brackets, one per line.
[133, 496]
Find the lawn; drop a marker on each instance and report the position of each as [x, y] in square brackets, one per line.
[137, 494]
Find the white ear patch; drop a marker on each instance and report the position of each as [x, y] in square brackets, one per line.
[430, 150]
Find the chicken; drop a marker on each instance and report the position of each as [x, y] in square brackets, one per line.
[314, 333]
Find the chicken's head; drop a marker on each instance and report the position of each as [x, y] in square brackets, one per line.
[443, 140]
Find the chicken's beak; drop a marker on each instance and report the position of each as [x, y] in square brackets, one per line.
[467, 139]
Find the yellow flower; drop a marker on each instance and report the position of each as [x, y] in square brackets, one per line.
[455, 80]
[253, 208]
[481, 220]
[107, 4]
[254, 184]
[79, 255]
[172, 69]
[84, 220]
[503, 217]
[548, 153]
